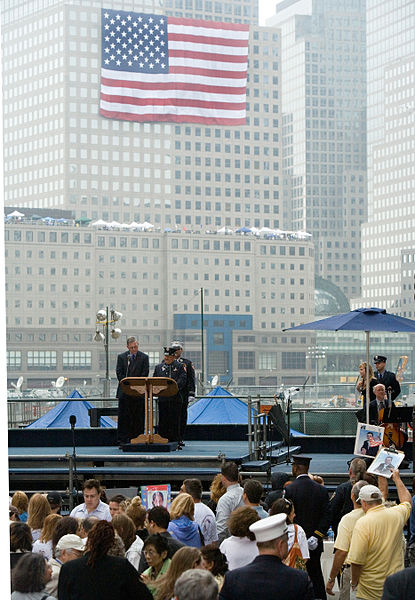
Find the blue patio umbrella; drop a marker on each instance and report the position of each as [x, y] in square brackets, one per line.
[362, 319]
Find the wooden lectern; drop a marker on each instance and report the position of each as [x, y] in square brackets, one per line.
[149, 387]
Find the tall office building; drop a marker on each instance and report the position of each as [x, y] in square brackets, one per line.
[388, 239]
[323, 70]
[186, 179]
[59, 152]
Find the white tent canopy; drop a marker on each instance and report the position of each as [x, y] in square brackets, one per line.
[15, 213]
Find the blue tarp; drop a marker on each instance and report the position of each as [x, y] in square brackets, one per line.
[58, 417]
[214, 411]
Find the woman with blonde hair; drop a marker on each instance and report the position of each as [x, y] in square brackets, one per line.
[44, 544]
[361, 384]
[184, 559]
[136, 511]
[182, 525]
[21, 502]
[217, 489]
[38, 510]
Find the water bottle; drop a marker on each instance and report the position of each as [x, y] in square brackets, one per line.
[330, 535]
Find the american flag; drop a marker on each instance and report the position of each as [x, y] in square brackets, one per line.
[157, 68]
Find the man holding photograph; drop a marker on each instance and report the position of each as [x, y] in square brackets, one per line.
[376, 544]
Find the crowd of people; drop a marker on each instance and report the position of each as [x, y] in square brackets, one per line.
[238, 544]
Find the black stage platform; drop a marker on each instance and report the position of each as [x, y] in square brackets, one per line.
[42, 460]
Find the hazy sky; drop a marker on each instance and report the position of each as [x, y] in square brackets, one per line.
[266, 9]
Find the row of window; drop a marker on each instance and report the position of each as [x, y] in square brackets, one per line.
[218, 360]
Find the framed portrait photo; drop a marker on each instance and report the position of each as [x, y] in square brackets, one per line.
[369, 438]
[386, 462]
[156, 495]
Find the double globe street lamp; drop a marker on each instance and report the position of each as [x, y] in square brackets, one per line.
[105, 319]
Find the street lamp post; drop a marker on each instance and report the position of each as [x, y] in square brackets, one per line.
[316, 352]
[106, 318]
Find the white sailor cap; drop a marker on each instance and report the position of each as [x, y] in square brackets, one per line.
[269, 528]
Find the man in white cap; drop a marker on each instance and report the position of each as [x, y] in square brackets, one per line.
[376, 548]
[266, 577]
[68, 548]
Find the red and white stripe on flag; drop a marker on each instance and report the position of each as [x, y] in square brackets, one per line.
[205, 82]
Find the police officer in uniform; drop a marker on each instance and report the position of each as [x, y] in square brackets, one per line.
[189, 396]
[170, 406]
[387, 378]
[311, 504]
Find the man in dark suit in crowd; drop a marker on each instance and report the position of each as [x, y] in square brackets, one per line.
[311, 504]
[266, 577]
[189, 395]
[131, 363]
[400, 585]
[387, 378]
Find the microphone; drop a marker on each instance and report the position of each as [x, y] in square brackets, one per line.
[72, 420]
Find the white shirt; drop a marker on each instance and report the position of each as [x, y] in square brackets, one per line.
[102, 512]
[226, 504]
[133, 553]
[44, 548]
[301, 539]
[238, 551]
[205, 518]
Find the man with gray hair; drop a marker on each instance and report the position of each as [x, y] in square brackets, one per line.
[196, 584]
[69, 547]
[376, 548]
[131, 363]
[342, 544]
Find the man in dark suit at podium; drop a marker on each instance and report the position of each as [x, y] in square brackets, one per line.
[132, 363]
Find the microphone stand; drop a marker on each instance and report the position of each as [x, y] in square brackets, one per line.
[288, 460]
[72, 421]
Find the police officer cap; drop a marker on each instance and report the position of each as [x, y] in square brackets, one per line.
[301, 460]
[269, 528]
[379, 358]
[176, 345]
[169, 351]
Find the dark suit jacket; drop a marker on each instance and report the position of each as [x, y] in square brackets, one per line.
[267, 578]
[400, 586]
[176, 371]
[191, 376]
[311, 504]
[112, 578]
[340, 504]
[389, 380]
[139, 367]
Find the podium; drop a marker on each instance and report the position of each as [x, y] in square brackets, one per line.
[149, 387]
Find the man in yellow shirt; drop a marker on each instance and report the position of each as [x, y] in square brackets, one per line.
[342, 545]
[376, 548]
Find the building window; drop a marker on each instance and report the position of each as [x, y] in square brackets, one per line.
[74, 359]
[218, 362]
[267, 360]
[14, 359]
[246, 360]
[293, 360]
[41, 359]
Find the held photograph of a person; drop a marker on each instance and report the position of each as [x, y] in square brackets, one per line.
[369, 439]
